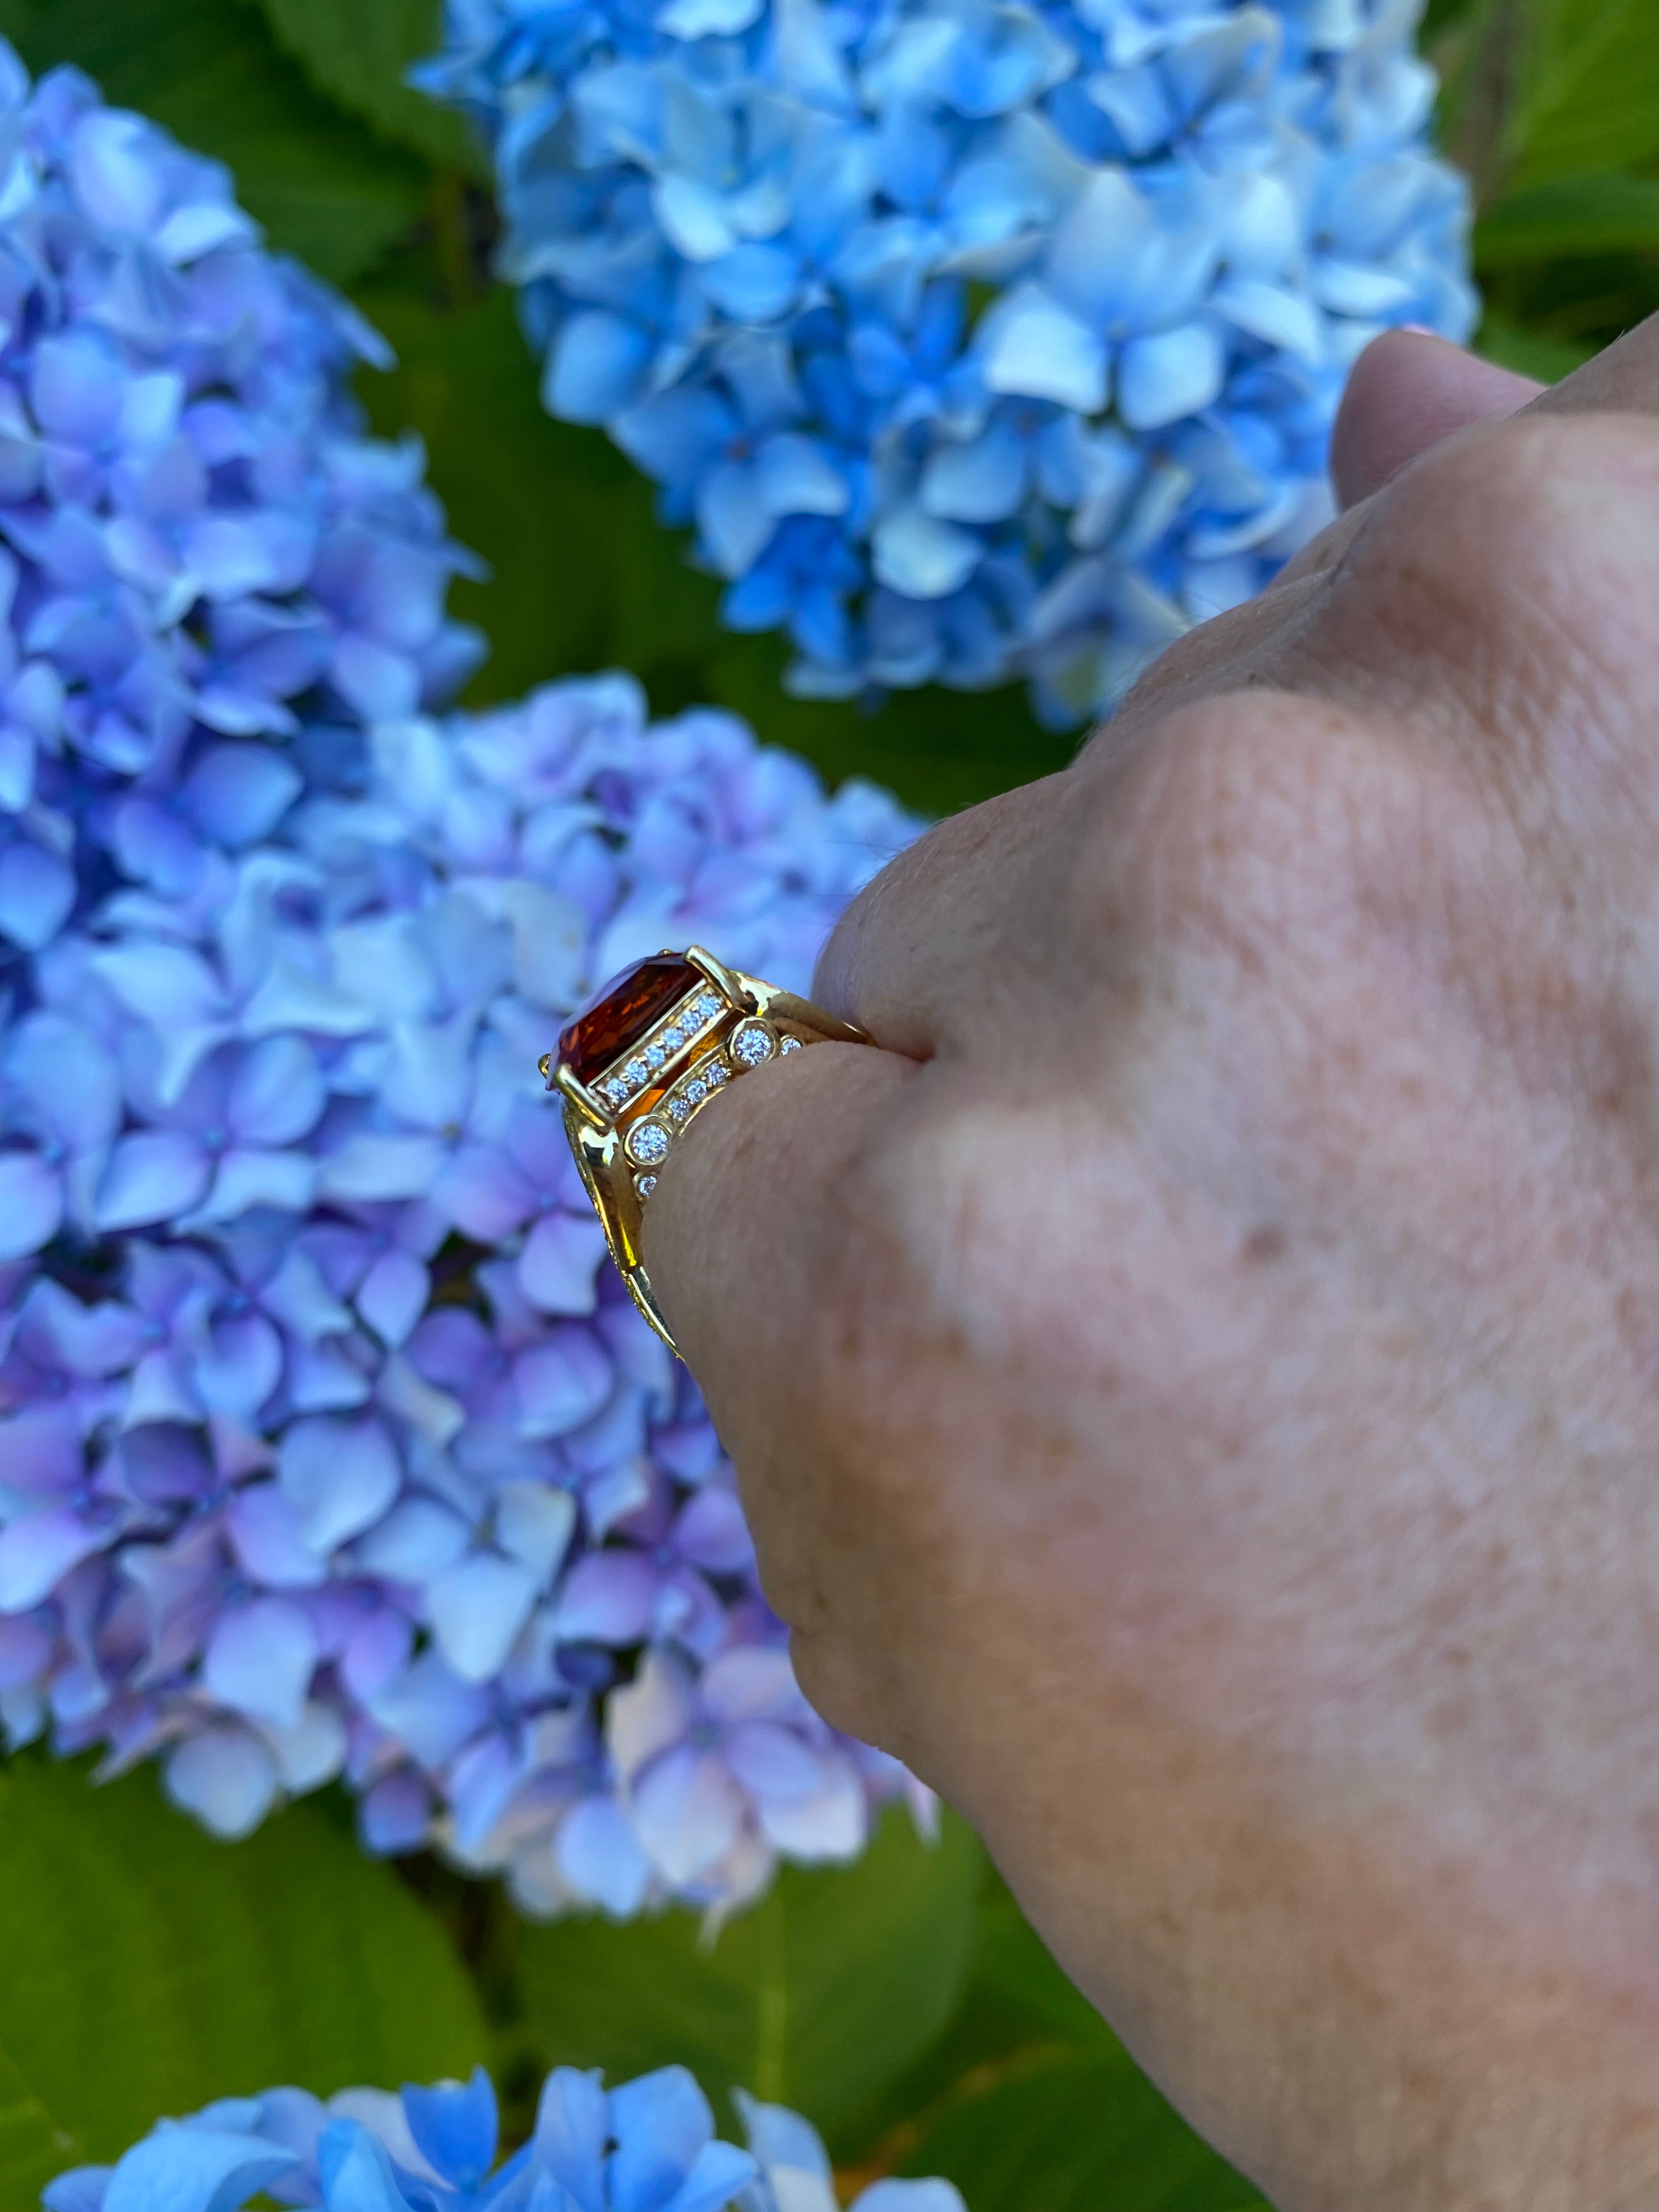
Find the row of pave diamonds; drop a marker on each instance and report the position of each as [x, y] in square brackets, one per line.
[647, 1060]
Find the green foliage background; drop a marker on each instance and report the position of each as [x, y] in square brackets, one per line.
[903, 2003]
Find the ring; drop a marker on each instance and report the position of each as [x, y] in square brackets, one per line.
[643, 1057]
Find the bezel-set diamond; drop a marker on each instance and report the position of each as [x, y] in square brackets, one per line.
[648, 1142]
[752, 1042]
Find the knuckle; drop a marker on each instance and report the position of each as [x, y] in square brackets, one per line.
[1280, 906]
[1509, 563]
[1250, 816]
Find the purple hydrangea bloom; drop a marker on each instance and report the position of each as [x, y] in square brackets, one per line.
[204, 565]
[332, 1444]
[975, 338]
[649, 2145]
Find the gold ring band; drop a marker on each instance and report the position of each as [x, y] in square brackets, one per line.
[643, 1057]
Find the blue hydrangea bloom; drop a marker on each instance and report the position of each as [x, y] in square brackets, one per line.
[649, 2145]
[330, 1443]
[975, 338]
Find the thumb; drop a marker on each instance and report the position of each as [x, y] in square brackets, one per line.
[1407, 392]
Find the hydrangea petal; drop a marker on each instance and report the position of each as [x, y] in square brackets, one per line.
[1170, 374]
[225, 1776]
[194, 2170]
[572, 2124]
[478, 1608]
[38, 1549]
[890, 2195]
[31, 1203]
[600, 1857]
[454, 2126]
[37, 891]
[689, 1812]
[661, 2122]
[342, 1476]
[259, 1661]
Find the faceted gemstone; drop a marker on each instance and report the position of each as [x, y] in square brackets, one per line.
[648, 1143]
[752, 1044]
[623, 1011]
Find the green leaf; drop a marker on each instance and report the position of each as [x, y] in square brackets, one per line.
[360, 56]
[33, 2144]
[1011, 1960]
[814, 1997]
[322, 186]
[1530, 353]
[1588, 97]
[1030, 2103]
[584, 577]
[1577, 215]
[1056, 2129]
[148, 1969]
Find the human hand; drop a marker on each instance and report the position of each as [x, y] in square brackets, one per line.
[1196, 1392]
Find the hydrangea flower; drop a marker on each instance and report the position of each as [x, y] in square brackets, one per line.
[649, 2145]
[204, 565]
[975, 338]
[330, 1445]
[333, 1444]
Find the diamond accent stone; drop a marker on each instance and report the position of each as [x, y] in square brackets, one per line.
[654, 1056]
[679, 1108]
[674, 1037]
[715, 1074]
[635, 1073]
[648, 1143]
[615, 1090]
[789, 1044]
[645, 1185]
[752, 1044]
[707, 1008]
[695, 1092]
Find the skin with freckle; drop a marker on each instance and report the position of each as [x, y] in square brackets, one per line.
[1196, 1389]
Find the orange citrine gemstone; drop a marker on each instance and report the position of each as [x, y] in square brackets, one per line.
[620, 1014]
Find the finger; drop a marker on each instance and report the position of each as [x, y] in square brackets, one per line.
[919, 958]
[1408, 391]
[745, 1240]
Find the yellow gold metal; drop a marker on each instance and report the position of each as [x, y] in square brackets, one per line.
[580, 1096]
[719, 974]
[598, 1137]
